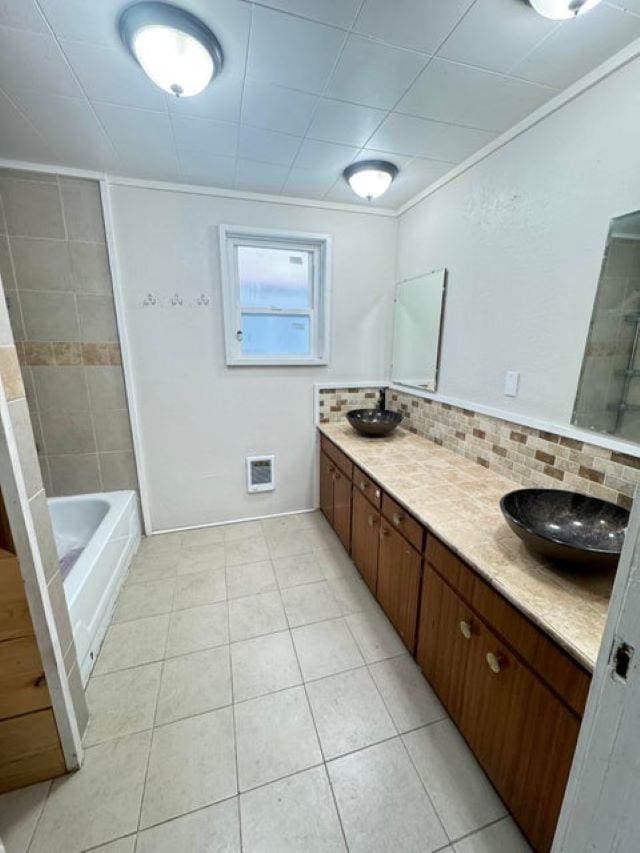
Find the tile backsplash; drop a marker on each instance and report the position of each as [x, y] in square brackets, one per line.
[529, 456]
[57, 282]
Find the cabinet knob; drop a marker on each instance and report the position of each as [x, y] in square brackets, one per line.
[336, 476]
[466, 630]
[398, 518]
[331, 469]
[364, 485]
[384, 531]
[372, 520]
[496, 662]
[377, 494]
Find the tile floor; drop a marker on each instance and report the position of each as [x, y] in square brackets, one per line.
[251, 696]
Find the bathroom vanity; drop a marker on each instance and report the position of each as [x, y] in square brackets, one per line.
[506, 641]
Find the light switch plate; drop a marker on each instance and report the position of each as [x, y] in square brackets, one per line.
[511, 381]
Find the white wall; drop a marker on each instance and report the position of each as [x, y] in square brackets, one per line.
[522, 234]
[198, 418]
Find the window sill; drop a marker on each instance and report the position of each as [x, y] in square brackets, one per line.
[277, 362]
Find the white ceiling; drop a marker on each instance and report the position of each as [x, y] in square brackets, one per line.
[307, 87]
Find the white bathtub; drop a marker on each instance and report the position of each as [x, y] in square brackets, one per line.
[104, 530]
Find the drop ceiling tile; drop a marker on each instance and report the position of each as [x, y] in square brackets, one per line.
[373, 74]
[19, 140]
[418, 24]
[219, 138]
[338, 13]
[309, 182]
[324, 155]
[495, 34]
[431, 139]
[399, 160]
[260, 177]
[112, 76]
[200, 167]
[22, 14]
[579, 45]
[276, 108]
[451, 92]
[417, 176]
[220, 100]
[72, 129]
[267, 146]
[143, 139]
[34, 61]
[71, 19]
[629, 5]
[291, 51]
[337, 121]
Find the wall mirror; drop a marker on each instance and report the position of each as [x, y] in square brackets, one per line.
[608, 398]
[419, 307]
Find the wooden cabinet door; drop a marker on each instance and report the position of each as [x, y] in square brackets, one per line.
[327, 469]
[443, 648]
[365, 527]
[398, 586]
[342, 508]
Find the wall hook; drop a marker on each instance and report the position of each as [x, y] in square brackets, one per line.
[203, 299]
[149, 299]
[176, 299]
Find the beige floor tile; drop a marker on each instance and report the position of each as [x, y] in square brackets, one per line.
[463, 796]
[311, 602]
[202, 537]
[289, 543]
[253, 550]
[192, 764]
[321, 535]
[300, 569]
[122, 845]
[241, 530]
[199, 588]
[250, 579]
[133, 644]
[325, 648]
[198, 628]
[263, 665]
[100, 802]
[280, 524]
[200, 559]
[501, 837]
[256, 614]
[121, 703]
[154, 567]
[382, 803]
[275, 737]
[19, 813]
[406, 693]
[194, 683]
[352, 594]
[375, 635]
[336, 563]
[160, 543]
[348, 712]
[138, 600]
[215, 829]
[292, 815]
[313, 520]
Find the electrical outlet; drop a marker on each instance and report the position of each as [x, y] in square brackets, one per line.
[511, 382]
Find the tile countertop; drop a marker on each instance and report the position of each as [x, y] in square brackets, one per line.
[459, 501]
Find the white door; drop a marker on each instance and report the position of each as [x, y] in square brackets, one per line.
[601, 810]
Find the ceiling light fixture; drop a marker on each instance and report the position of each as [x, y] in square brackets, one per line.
[370, 178]
[174, 48]
[557, 10]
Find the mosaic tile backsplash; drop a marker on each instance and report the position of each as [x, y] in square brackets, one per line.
[529, 456]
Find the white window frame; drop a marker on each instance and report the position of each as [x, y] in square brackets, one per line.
[320, 247]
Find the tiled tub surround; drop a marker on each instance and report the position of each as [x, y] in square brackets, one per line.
[531, 457]
[250, 695]
[56, 277]
[458, 501]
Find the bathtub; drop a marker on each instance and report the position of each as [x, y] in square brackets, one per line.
[96, 538]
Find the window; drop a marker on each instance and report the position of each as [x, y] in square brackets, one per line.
[275, 288]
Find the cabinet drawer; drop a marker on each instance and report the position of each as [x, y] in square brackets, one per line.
[367, 486]
[411, 529]
[22, 685]
[553, 665]
[337, 456]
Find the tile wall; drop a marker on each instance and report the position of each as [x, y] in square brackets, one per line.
[529, 456]
[57, 282]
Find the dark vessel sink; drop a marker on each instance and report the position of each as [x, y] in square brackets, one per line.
[374, 422]
[567, 526]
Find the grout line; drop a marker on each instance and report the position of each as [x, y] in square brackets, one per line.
[242, 91]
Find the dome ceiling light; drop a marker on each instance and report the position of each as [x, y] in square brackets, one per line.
[174, 48]
[557, 10]
[370, 178]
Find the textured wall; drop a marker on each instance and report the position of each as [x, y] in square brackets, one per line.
[55, 272]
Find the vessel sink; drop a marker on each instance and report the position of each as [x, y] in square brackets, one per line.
[374, 422]
[567, 526]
